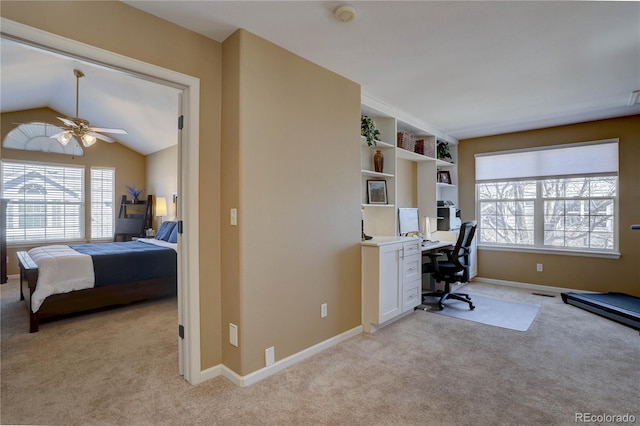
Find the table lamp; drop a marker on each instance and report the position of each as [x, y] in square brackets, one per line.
[161, 207]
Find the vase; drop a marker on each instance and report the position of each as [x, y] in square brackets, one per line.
[378, 161]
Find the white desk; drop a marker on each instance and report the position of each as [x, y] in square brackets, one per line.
[426, 246]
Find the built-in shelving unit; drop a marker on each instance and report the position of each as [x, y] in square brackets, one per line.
[381, 219]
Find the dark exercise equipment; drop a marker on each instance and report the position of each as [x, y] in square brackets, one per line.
[619, 307]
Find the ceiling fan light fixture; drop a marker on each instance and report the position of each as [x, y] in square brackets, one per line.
[64, 138]
[88, 140]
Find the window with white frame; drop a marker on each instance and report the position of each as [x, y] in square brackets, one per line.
[559, 198]
[46, 201]
[102, 196]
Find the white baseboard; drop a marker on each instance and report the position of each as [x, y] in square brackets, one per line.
[537, 287]
[263, 373]
[210, 373]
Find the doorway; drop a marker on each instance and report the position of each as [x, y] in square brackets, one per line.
[188, 144]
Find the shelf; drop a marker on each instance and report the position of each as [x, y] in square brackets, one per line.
[411, 177]
[376, 174]
[442, 163]
[378, 205]
[378, 145]
[412, 156]
[445, 185]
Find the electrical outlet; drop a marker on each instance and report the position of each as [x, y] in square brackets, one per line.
[270, 356]
[539, 267]
[323, 310]
[233, 334]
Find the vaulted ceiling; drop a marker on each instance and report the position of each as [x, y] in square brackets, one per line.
[148, 111]
[467, 68]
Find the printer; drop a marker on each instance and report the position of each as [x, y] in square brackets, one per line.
[448, 216]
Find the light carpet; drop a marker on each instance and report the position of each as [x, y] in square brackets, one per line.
[120, 367]
[488, 310]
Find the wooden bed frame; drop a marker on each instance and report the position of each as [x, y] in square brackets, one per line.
[88, 299]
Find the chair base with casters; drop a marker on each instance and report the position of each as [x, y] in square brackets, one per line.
[447, 294]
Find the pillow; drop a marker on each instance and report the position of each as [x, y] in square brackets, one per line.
[173, 238]
[165, 230]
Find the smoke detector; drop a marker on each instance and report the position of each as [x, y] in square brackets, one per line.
[345, 13]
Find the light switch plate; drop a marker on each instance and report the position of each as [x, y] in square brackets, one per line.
[233, 334]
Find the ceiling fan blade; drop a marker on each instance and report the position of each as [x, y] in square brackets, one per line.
[68, 122]
[106, 130]
[101, 137]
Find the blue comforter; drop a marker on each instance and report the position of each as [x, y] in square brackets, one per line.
[120, 262]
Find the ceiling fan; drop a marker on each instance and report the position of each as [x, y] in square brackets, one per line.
[80, 128]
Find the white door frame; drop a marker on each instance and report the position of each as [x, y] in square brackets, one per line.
[188, 257]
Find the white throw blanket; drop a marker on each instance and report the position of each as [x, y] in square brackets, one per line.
[61, 269]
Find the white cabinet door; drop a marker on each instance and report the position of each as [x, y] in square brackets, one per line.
[390, 292]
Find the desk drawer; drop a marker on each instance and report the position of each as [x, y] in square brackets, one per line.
[412, 268]
[411, 296]
[411, 248]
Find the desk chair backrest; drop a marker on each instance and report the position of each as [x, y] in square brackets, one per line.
[460, 253]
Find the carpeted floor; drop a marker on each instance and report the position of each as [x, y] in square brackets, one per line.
[119, 367]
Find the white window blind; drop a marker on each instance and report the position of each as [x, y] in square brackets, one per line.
[595, 158]
[102, 196]
[46, 201]
[561, 198]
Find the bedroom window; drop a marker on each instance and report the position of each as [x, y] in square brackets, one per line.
[560, 198]
[102, 196]
[46, 201]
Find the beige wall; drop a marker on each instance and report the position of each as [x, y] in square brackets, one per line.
[128, 164]
[133, 33]
[584, 273]
[407, 188]
[290, 165]
[162, 179]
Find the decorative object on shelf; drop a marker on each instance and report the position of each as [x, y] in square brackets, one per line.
[135, 193]
[425, 147]
[444, 176]
[406, 141]
[364, 236]
[443, 151]
[368, 129]
[377, 191]
[378, 161]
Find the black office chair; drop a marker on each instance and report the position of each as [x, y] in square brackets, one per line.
[454, 269]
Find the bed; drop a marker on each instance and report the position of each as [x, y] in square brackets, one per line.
[59, 280]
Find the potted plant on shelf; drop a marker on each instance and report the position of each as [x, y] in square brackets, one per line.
[369, 131]
[135, 193]
[443, 151]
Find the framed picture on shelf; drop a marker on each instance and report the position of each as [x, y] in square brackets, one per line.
[377, 191]
[444, 176]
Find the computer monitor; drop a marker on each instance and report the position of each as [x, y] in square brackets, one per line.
[408, 221]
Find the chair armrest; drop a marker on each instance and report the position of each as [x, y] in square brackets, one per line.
[433, 256]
